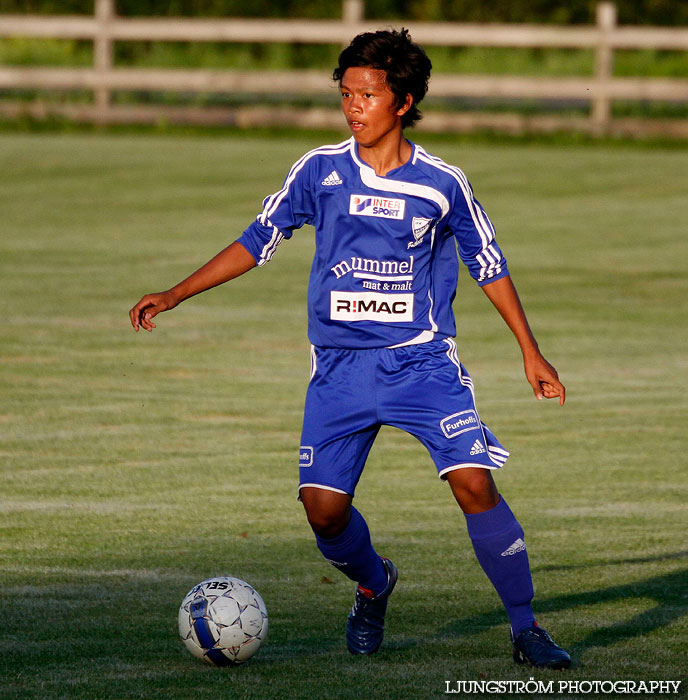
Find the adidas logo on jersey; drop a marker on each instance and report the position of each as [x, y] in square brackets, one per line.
[477, 448]
[332, 179]
[518, 546]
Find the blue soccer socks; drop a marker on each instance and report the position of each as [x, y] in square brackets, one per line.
[498, 543]
[353, 554]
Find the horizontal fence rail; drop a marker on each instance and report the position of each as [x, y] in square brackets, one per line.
[340, 32]
[316, 82]
[105, 28]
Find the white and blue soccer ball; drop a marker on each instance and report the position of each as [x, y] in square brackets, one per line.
[223, 621]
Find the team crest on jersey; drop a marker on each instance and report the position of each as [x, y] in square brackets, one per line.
[420, 226]
[364, 205]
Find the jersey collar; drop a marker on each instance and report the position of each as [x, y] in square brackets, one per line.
[365, 168]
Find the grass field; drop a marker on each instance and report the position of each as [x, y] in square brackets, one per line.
[133, 466]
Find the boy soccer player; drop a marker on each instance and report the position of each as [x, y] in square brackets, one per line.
[388, 219]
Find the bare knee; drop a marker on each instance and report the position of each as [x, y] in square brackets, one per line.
[474, 489]
[327, 525]
[328, 512]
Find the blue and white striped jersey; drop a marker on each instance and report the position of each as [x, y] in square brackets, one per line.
[385, 268]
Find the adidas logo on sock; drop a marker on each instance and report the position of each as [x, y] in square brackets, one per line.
[518, 546]
[477, 448]
[332, 179]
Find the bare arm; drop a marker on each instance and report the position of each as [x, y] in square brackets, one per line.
[229, 263]
[539, 373]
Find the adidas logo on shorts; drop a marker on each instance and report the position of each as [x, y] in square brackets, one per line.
[332, 179]
[477, 448]
[518, 546]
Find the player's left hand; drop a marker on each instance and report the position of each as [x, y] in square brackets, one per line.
[544, 379]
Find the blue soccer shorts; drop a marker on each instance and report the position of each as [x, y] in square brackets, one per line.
[421, 389]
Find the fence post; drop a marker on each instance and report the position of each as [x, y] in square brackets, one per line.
[352, 11]
[601, 112]
[102, 55]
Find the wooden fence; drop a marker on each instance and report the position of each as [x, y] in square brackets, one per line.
[103, 78]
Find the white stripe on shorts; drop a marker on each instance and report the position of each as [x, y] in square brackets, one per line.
[496, 454]
[314, 362]
[324, 488]
[446, 470]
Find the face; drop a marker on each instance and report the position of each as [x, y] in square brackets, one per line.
[370, 106]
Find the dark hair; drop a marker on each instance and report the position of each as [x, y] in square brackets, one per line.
[405, 63]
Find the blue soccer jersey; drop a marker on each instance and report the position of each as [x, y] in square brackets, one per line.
[386, 266]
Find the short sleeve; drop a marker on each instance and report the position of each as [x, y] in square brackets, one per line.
[475, 236]
[283, 212]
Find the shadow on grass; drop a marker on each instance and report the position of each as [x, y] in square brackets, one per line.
[667, 591]
[635, 560]
[89, 628]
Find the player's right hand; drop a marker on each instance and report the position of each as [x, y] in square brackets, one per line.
[148, 308]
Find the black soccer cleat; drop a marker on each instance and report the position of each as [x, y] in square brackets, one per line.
[535, 647]
[365, 626]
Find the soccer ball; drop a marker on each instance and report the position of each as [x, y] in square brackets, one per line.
[223, 621]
